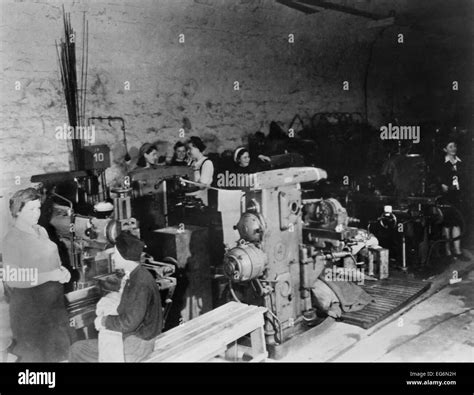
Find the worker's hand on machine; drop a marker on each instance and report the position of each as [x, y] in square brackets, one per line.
[264, 158]
[65, 275]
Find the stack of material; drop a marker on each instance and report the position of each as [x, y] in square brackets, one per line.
[75, 98]
[336, 297]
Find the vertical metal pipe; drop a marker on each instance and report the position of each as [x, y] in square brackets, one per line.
[165, 203]
[404, 258]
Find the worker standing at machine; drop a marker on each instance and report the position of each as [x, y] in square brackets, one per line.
[243, 162]
[34, 277]
[202, 166]
[179, 156]
[241, 174]
[140, 312]
[451, 180]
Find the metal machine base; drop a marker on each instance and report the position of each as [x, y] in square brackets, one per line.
[300, 338]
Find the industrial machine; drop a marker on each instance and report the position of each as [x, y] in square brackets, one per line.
[285, 244]
[87, 221]
[157, 196]
[173, 225]
[89, 232]
[89, 238]
[327, 232]
[82, 303]
[411, 227]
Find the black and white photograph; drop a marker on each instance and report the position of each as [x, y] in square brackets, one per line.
[232, 181]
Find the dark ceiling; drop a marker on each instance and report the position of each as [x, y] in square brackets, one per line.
[439, 17]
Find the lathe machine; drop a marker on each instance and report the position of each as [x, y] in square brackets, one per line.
[285, 244]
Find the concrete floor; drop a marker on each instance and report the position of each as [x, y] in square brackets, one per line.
[437, 327]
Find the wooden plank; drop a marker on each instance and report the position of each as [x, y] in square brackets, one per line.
[186, 330]
[244, 329]
[227, 321]
[192, 328]
[205, 346]
[207, 349]
[202, 320]
[195, 336]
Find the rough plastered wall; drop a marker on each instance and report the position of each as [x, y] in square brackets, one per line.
[172, 85]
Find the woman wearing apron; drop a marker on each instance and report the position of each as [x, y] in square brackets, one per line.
[202, 166]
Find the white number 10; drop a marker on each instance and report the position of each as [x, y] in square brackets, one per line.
[99, 157]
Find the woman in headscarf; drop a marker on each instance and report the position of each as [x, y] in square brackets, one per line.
[243, 163]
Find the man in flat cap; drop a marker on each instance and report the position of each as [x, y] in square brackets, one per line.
[140, 314]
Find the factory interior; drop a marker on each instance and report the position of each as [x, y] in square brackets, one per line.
[232, 181]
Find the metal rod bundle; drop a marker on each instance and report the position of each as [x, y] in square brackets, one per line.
[75, 97]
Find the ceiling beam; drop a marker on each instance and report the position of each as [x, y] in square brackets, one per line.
[297, 6]
[341, 8]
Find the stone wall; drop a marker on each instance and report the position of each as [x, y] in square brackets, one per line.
[173, 85]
